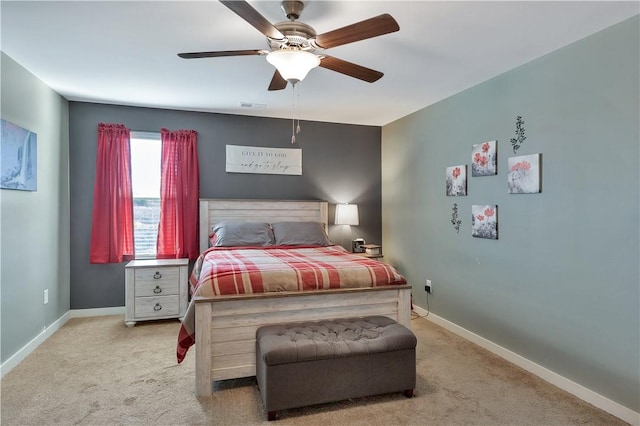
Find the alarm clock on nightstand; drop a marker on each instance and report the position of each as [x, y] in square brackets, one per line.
[357, 245]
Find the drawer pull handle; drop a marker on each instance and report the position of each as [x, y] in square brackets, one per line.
[157, 275]
[157, 290]
[157, 307]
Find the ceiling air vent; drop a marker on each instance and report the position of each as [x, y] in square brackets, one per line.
[252, 105]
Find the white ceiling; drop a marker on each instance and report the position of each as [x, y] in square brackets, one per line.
[124, 52]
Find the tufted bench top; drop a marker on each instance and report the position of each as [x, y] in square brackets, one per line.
[308, 341]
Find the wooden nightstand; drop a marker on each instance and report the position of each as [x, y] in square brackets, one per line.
[379, 257]
[155, 289]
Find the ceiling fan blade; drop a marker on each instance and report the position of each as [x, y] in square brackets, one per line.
[219, 53]
[252, 16]
[277, 82]
[373, 27]
[350, 69]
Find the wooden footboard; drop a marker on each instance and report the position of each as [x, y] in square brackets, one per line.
[226, 325]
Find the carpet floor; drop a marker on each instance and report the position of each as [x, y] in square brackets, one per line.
[96, 371]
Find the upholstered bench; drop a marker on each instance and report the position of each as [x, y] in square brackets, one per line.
[310, 363]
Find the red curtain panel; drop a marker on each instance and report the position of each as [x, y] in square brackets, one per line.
[179, 195]
[112, 225]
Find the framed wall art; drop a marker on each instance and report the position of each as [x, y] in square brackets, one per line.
[484, 160]
[19, 158]
[484, 221]
[524, 174]
[457, 180]
[263, 160]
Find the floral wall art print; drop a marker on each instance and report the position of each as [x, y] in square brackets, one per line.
[457, 180]
[524, 174]
[484, 221]
[484, 159]
[18, 158]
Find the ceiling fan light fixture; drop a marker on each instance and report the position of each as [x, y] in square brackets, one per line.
[293, 65]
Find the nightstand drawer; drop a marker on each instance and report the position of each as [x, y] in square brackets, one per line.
[149, 307]
[161, 287]
[157, 275]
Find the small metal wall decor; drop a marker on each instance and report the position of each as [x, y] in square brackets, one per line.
[484, 221]
[484, 160]
[517, 142]
[457, 180]
[455, 219]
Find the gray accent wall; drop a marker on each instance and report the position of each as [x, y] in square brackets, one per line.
[560, 286]
[34, 230]
[340, 162]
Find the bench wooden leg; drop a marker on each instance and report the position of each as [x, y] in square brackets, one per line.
[272, 415]
[408, 393]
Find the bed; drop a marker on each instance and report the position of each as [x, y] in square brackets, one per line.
[223, 326]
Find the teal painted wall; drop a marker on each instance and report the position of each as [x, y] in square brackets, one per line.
[561, 284]
[34, 225]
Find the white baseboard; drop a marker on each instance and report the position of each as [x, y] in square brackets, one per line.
[556, 379]
[17, 358]
[97, 312]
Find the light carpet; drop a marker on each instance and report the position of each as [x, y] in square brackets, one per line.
[96, 371]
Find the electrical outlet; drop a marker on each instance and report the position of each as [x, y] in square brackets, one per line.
[46, 296]
[429, 287]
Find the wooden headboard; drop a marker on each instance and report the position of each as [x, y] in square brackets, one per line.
[216, 210]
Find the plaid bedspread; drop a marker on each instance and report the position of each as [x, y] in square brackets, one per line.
[220, 271]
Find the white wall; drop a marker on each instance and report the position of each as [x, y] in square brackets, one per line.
[34, 230]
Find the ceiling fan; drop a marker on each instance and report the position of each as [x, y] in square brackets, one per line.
[293, 43]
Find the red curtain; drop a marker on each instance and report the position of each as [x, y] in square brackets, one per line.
[179, 192]
[112, 225]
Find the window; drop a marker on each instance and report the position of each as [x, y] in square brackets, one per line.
[146, 148]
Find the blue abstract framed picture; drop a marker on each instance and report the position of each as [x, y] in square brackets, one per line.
[18, 158]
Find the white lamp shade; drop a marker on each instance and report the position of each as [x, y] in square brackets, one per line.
[346, 214]
[293, 65]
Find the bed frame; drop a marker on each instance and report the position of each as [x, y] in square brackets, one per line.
[226, 325]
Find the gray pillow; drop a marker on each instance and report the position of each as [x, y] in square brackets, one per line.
[300, 234]
[237, 234]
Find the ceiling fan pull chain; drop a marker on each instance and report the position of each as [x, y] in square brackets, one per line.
[298, 119]
[293, 114]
